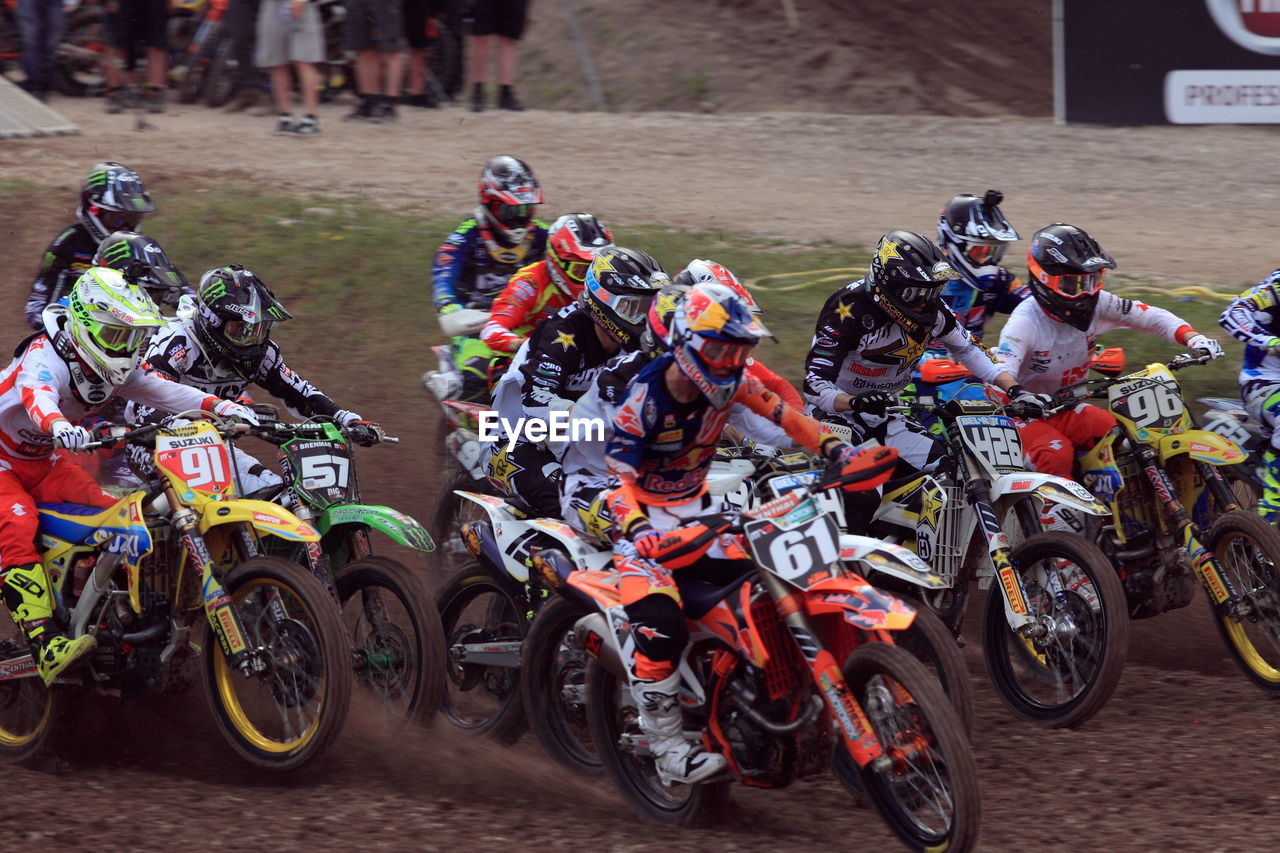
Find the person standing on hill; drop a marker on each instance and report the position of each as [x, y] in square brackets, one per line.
[501, 22]
[290, 32]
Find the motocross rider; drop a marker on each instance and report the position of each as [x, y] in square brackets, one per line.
[1254, 318]
[145, 264]
[222, 343]
[112, 197]
[870, 337]
[664, 437]
[543, 287]
[973, 236]
[87, 353]
[475, 262]
[1049, 340]
[560, 361]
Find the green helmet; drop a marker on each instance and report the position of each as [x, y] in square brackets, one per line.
[110, 320]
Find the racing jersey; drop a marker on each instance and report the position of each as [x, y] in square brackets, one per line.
[70, 254]
[38, 388]
[1254, 318]
[470, 268]
[175, 352]
[1045, 355]
[662, 448]
[529, 297]
[974, 305]
[857, 349]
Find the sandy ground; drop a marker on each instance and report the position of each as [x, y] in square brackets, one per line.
[1182, 757]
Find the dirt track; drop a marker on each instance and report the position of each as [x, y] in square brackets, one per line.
[1184, 754]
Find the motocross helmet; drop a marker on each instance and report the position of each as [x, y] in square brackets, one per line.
[709, 272]
[573, 241]
[508, 193]
[658, 328]
[143, 262]
[712, 335]
[109, 321]
[973, 235]
[620, 285]
[112, 198]
[234, 315]
[1067, 268]
[906, 279]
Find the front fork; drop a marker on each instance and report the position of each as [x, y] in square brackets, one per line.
[859, 737]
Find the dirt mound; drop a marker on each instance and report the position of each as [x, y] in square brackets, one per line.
[972, 57]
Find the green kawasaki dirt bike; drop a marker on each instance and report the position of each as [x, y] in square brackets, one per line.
[391, 621]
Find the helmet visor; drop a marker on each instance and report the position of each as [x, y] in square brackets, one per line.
[724, 356]
[243, 333]
[1077, 286]
[985, 254]
[123, 340]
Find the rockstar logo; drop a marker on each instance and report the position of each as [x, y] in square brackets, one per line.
[565, 340]
[905, 351]
[666, 302]
[843, 311]
[887, 251]
[931, 504]
[501, 469]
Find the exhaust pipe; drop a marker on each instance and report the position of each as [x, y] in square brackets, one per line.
[592, 633]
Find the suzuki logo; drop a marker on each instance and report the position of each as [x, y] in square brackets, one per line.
[1252, 24]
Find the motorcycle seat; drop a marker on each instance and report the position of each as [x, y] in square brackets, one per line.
[72, 522]
[700, 596]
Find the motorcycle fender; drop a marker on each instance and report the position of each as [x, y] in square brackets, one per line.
[585, 557]
[267, 517]
[1050, 488]
[888, 559]
[403, 529]
[1202, 446]
[862, 604]
[488, 541]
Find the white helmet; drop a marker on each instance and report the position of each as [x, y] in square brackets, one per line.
[109, 321]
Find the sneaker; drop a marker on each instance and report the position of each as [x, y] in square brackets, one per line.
[478, 99]
[363, 110]
[284, 124]
[115, 100]
[507, 100]
[308, 126]
[154, 99]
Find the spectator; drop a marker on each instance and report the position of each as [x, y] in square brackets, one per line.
[290, 31]
[42, 23]
[504, 21]
[130, 25]
[419, 31]
[375, 33]
[241, 23]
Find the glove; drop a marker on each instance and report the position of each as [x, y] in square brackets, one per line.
[646, 541]
[343, 418]
[1273, 346]
[872, 403]
[366, 433]
[72, 437]
[232, 409]
[1034, 404]
[1205, 345]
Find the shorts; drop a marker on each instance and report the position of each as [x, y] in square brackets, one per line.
[282, 39]
[132, 24]
[374, 25]
[504, 18]
[416, 14]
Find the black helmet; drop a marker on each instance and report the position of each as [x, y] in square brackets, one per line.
[1067, 268]
[906, 277]
[143, 262]
[973, 234]
[111, 198]
[508, 193]
[619, 287]
[234, 313]
[658, 322]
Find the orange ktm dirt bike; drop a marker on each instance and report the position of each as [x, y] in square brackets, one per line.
[163, 580]
[1176, 521]
[790, 670]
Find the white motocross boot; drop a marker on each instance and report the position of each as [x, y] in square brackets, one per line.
[677, 760]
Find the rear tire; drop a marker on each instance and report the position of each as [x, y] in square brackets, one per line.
[553, 687]
[1248, 554]
[224, 75]
[929, 642]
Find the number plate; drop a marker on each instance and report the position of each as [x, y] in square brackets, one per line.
[794, 551]
[321, 469]
[994, 440]
[195, 459]
[1148, 403]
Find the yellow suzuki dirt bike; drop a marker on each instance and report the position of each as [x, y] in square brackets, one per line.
[144, 575]
[1175, 518]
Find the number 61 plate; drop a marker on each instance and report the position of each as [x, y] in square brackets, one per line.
[794, 551]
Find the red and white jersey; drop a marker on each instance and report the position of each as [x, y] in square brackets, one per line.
[1045, 355]
[36, 390]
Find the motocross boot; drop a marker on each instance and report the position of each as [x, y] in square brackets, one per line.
[1269, 503]
[677, 760]
[30, 601]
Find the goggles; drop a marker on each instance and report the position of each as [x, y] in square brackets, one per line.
[631, 309]
[243, 333]
[920, 295]
[512, 214]
[119, 220]
[575, 270]
[1076, 286]
[724, 355]
[124, 340]
[984, 254]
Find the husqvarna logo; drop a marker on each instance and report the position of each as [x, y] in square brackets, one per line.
[1252, 24]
